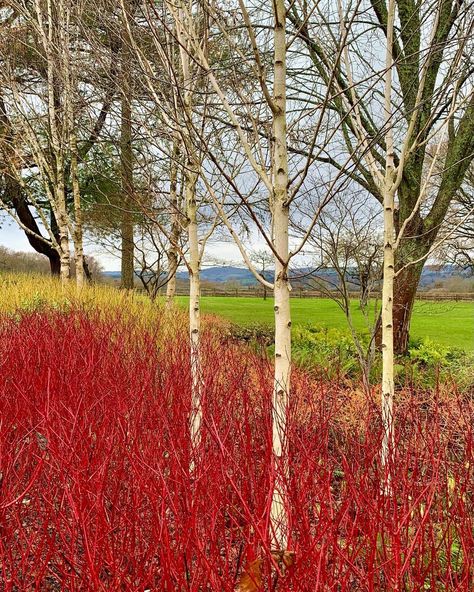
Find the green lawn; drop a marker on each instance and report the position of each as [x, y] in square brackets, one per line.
[448, 323]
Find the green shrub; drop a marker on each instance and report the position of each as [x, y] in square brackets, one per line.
[39, 303]
[427, 354]
[428, 363]
[332, 351]
[258, 336]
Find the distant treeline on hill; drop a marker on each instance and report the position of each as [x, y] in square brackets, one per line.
[29, 262]
[446, 277]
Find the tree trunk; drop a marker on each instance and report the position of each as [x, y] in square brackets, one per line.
[65, 259]
[194, 309]
[14, 195]
[78, 233]
[63, 224]
[87, 271]
[191, 174]
[406, 284]
[388, 386]
[172, 253]
[171, 284]
[69, 99]
[388, 190]
[54, 264]
[127, 250]
[282, 372]
[126, 165]
[279, 511]
[53, 42]
[63, 228]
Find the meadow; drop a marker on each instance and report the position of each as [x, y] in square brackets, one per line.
[97, 492]
[448, 323]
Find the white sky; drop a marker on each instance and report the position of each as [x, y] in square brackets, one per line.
[14, 238]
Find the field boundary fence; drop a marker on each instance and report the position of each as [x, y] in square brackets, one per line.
[243, 292]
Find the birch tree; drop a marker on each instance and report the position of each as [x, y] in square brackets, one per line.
[49, 22]
[177, 94]
[254, 163]
[176, 227]
[42, 109]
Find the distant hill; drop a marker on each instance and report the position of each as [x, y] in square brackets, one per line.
[223, 274]
[244, 277]
[114, 275]
[211, 274]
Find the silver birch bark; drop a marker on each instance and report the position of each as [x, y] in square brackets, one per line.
[62, 219]
[51, 39]
[281, 389]
[183, 27]
[78, 232]
[71, 135]
[389, 189]
[172, 253]
[194, 308]
[388, 388]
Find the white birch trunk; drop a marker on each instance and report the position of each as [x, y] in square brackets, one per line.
[389, 189]
[62, 220]
[191, 176]
[171, 285]
[194, 309]
[78, 233]
[388, 389]
[52, 38]
[69, 133]
[172, 253]
[76, 192]
[279, 515]
[64, 255]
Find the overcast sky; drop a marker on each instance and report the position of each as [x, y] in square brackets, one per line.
[14, 238]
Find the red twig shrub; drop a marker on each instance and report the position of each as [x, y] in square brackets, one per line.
[96, 492]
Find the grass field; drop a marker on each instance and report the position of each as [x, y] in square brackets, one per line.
[447, 323]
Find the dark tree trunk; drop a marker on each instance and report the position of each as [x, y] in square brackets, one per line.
[13, 194]
[404, 295]
[406, 282]
[414, 245]
[127, 251]
[87, 271]
[55, 264]
[126, 164]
